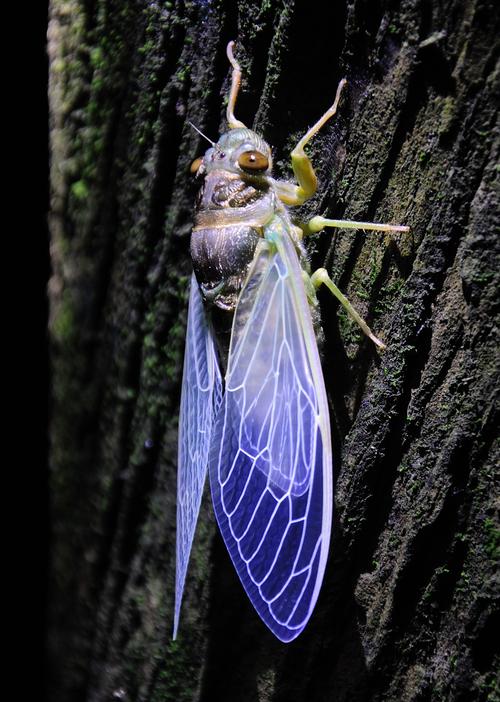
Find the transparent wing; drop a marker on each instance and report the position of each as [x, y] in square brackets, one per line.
[271, 462]
[201, 395]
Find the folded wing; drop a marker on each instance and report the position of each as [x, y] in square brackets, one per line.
[270, 462]
[201, 395]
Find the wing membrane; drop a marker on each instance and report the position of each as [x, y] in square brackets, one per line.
[270, 462]
[200, 398]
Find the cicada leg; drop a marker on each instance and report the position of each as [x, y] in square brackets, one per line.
[316, 224]
[233, 123]
[302, 167]
[321, 277]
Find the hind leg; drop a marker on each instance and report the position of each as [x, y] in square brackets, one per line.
[321, 277]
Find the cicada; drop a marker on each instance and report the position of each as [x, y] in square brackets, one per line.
[254, 409]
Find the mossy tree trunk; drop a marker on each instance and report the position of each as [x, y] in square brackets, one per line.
[408, 601]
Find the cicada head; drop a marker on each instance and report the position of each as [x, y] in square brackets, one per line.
[240, 151]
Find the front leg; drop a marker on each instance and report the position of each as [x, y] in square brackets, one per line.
[302, 167]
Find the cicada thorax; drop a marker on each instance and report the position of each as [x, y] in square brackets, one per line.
[229, 219]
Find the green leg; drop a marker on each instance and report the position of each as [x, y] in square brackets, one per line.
[316, 224]
[321, 277]
[302, 167]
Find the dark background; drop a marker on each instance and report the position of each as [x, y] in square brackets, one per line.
[28, 419]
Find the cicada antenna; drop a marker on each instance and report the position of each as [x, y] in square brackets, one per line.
[201, 133]
[214, 145]
[235, 86]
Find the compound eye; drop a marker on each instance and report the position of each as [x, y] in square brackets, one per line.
[195, 165]
[253, 161]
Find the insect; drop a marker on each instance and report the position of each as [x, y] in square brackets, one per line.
[254, 411]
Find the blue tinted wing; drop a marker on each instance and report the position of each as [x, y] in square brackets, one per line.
[271, 461]
[201, 395]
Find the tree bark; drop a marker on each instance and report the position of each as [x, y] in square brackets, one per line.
[408, 607]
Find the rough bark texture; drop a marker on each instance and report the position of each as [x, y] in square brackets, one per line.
[408, 604]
